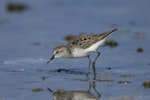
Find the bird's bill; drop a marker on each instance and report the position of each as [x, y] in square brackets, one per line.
[50, 59]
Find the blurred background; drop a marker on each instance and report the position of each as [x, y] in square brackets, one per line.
[30, 29]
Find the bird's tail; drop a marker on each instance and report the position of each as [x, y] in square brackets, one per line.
[105, 34]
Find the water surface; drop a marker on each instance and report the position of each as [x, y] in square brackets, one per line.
[27, 39]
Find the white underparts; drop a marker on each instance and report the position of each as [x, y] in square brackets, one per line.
[79, 52]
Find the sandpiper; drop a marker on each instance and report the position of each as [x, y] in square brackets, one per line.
[82, 46]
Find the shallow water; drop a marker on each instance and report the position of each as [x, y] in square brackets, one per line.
[27, 39]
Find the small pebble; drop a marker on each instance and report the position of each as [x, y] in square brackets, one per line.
[146, 84]
[43, 78]
[139, 50]
[16, 7]
[109, 68]
[69, 37]
[37, 89]
[111, 43]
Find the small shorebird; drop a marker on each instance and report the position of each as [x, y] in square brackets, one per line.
[82, 46]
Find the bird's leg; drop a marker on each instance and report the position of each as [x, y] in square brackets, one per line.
[88, 80]
[87, 72]
[93, 64]
[94, 86]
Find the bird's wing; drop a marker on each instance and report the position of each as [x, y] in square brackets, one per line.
[85, 41]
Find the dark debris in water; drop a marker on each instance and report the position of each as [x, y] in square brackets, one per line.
[139, 50]
[126, 76]
[104, 80]
[124, 82]
[16, 7]
[37, 89]
[109, 68]
[70, 37]
[103, 74]
[44, 78]
[98, 80]
[69, 71]
[146, 84]
[76, 72]
[59, 70]
[111, 43]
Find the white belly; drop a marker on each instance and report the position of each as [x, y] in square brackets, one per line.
[78, 52]
[95, 46]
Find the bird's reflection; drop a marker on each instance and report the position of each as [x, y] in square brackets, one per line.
[62, 94]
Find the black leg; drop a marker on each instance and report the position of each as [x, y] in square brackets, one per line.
[93, 64]
[92, 84]
[87, 72]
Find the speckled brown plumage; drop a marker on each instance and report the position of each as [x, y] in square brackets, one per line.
[85, 41]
